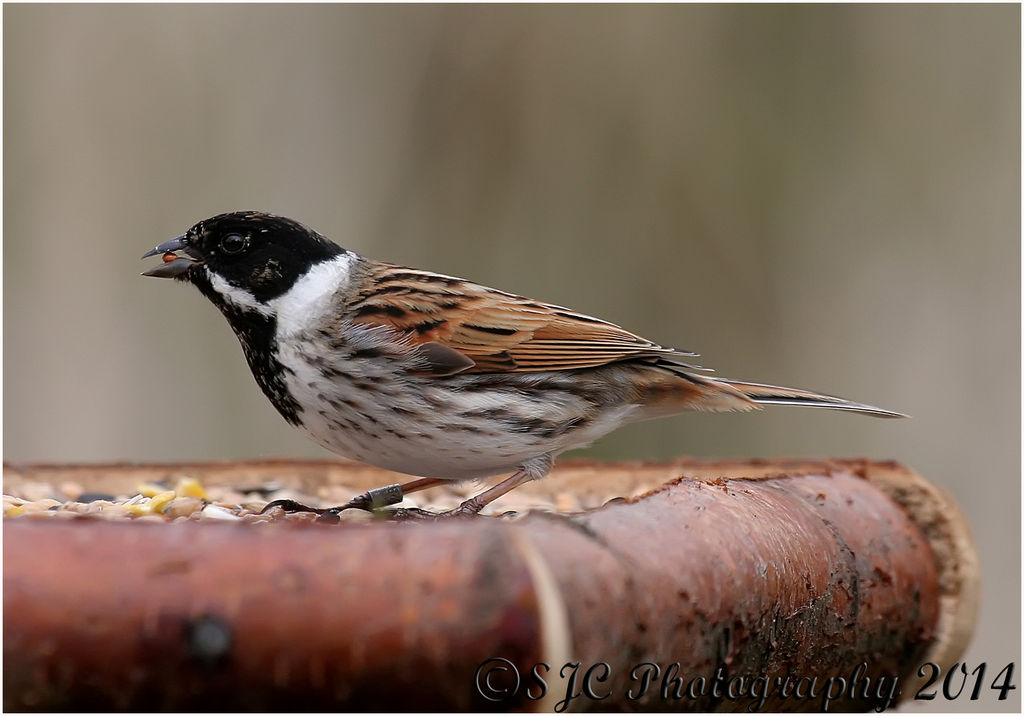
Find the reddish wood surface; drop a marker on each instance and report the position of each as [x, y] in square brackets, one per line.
[801, 576]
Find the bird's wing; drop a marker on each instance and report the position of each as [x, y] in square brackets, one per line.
[499, 332]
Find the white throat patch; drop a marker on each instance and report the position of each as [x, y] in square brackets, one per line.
[236, 296]
[310, 296]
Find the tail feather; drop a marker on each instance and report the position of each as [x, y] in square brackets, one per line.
[685, 390]
[763, 394]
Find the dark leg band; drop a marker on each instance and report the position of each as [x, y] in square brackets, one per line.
[384, 496]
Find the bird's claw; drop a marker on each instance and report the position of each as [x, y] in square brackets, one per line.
[290, 506]
[326, 514]
[409, 514]
[369, 501]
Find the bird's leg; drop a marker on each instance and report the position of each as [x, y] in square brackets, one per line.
[473, 505]
[470, 507]
[533, 469]
[389, 494]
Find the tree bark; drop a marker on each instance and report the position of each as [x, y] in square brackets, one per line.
[779, 585]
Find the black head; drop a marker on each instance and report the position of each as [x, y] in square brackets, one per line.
[260, 253]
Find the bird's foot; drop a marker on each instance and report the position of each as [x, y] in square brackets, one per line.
[410, 514]
[369, 501]
[324, 514]
[294, 506]
[468, 509]
[379, 497]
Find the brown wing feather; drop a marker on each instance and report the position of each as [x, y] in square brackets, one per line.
[498, 331]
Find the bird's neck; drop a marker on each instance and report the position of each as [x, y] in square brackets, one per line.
[257, 332]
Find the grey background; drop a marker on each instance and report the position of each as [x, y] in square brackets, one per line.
[820, 196]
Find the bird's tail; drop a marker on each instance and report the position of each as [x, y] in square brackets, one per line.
[671, 387]
[763, 394]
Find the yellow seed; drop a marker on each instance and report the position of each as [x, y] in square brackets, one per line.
[190, 487]
[157, 502]
[139, 508]
[148, 489]
[14, 511]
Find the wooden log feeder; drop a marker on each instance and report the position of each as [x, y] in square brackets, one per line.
[730, 585]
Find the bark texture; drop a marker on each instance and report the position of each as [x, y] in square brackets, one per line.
[731, 585]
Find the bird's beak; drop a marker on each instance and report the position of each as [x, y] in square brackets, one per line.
[173, 266]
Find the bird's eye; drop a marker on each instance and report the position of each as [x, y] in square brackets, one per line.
[233, 244]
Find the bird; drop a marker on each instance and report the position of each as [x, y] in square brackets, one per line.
[431, 375]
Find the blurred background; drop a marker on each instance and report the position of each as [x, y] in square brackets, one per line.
[818, 196]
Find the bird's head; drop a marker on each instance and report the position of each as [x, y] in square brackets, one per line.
[250, 253]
